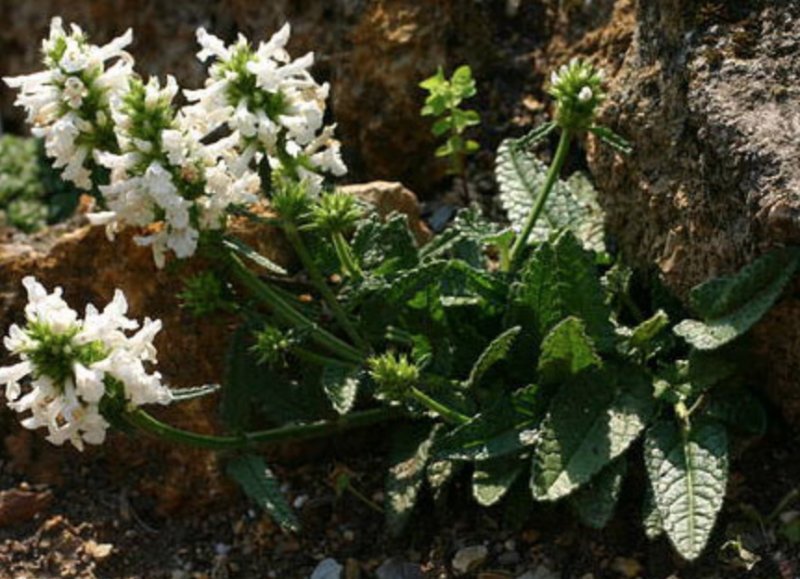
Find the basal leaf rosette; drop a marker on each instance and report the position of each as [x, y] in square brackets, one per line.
[271, 106]
[68, 103]
[164, 179]
[70, 369]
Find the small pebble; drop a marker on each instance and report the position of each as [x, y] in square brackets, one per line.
[469, 558]
[328, 569]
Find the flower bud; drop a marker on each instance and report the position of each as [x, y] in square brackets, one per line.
[577, 90]
[394, 375]
[335, 213]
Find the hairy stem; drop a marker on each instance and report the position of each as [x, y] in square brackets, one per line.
[518, 250]
[322, 286]
[287, 314]
[151, 425]
[447, 413]
[349, 264]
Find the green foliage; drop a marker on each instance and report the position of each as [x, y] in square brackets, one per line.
[409, 457]
[731, 305]
[31, 194]
[260, 484]
[688, 471]
[492, 479]
[595, 502]
[572, 204]
[444, 103]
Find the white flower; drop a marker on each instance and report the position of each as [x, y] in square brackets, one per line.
[69, 365]
[75, 69]
[268, 102]
[585, 94]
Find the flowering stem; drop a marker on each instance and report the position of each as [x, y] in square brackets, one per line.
[319, 282]
[286, 313]
[148, 423]
[345, 255]
[521, 242]
[450, 415]
[319, 359]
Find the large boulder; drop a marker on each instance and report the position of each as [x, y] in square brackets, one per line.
[708, 95]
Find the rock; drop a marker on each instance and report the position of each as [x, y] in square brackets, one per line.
[469, 558]
[327, 569]
[705, 97]
[539, 573]
[388, 197]
[627, 567]
[97, 551]
[509, 558]
[397, 568]
[21, 505]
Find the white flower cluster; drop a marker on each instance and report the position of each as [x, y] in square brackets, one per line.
[68, 102]
[71, 364]
[271, 105]
[164, 179]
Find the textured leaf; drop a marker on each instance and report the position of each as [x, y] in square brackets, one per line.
[463, 239]
[566, 351]
[383, 247]
[731, 305]
[491, 479]
[495, 352]
[341, 386]
[688, 474]
[572, 204]
[411, 450]
[560, 280]
[592, 420]
[596, 501]
[507, 427]
[651, 519]
[260, 484]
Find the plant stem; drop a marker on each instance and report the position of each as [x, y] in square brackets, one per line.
[521, 242]
[450, 415]
[322, 286]
[147, 423]
[349, 264]
[284, 311]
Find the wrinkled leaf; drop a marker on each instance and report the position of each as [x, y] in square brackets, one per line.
[341, 386]
[495, 352]
[592, 420]
[688, 474]
[566, 351]
[492, 479]
[731, 305]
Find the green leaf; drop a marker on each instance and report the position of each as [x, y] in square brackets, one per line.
[560, 280]
[384, 247]
[409, 457]
[596, 501]
[495, 352]
[572, 204]
[441, 126]
[509, 426]
[688, 473]
[492, 479]
[612, 139]
[592, 420]
[651, 518]
[566, 351]
[260, 484]
[183, 394]
[731, 305]
[248, 252]
[539, 133]
[649, 329]
[341, 386]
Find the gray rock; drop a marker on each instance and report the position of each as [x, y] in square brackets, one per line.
[328, 569]
[469, 558]
[397, 568]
